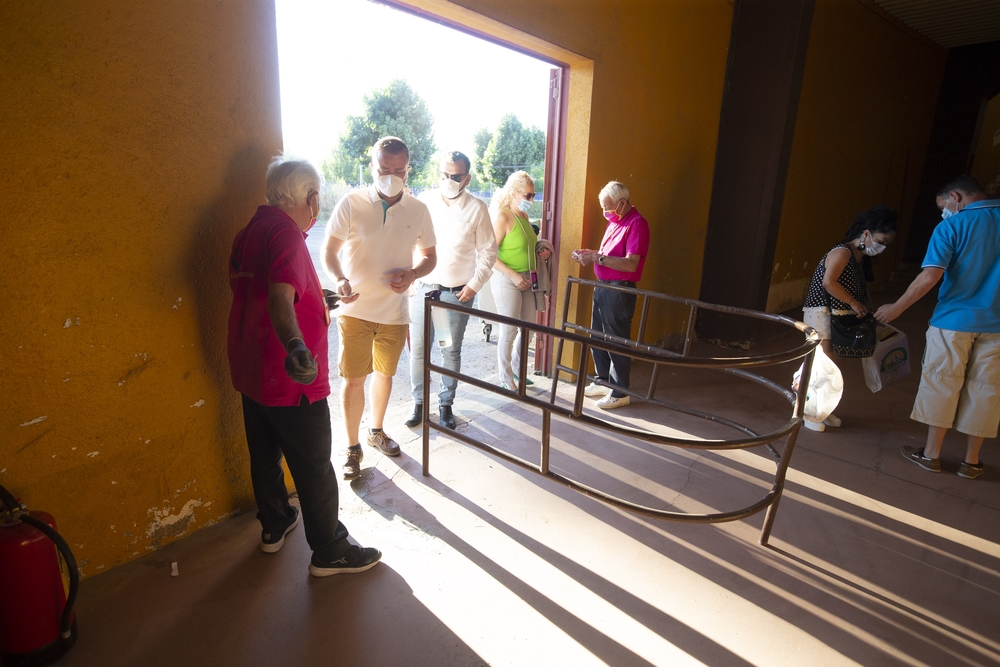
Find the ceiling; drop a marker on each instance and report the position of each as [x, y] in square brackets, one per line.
[948, 23]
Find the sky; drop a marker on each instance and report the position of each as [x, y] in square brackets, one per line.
[332, 52]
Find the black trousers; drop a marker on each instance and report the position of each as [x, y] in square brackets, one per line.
[302, 434]
[612, 314]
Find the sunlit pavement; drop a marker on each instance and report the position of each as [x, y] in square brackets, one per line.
[872, 560]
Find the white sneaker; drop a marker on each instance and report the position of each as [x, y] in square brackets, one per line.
[610, 402]
[813, 426]
[833, 420]
[594, 389]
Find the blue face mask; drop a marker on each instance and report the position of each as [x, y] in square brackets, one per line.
[524, 205]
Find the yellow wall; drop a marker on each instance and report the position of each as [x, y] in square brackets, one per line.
[868, 99]
[658, 73]
[136, 136]
[986, 165]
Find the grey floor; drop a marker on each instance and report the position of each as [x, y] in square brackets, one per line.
[872, 561]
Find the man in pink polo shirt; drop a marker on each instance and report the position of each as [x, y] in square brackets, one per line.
[278, 362]
[619, 262]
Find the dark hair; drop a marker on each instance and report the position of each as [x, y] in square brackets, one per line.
[877, 219]
[458, 156]
[964, 183]
[390, 146]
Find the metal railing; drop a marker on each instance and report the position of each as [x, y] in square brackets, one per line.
[574, 333]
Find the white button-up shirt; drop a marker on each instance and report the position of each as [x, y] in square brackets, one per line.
[466, 245]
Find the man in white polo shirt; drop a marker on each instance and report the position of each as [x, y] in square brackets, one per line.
[466, 251]
[372, 238]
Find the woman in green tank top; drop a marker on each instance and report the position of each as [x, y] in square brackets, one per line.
[511, 283]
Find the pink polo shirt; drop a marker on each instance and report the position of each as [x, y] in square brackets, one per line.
[628, 236]
[272, 249]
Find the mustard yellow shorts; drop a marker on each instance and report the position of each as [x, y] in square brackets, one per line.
[959, 382]
[365, 346]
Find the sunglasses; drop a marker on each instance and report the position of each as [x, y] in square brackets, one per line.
[530, 196]
[455, 177]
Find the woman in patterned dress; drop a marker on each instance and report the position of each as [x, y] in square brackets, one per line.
[840, 283]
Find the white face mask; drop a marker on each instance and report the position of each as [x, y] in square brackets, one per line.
[389, 185]
[524, 205]
[945, 213]
[873, 249]
[450, 188]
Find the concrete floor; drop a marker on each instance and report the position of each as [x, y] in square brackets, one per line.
[872, 561]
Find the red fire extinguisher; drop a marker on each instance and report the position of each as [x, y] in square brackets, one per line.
[37, 624]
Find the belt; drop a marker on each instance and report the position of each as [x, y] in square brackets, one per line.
[618, 283]
[453, 290]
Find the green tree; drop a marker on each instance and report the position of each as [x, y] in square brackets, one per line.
[395, 110]
[511, 147]
[480, 141]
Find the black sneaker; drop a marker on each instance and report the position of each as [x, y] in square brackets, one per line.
[272, 542]
[357, 559]
[917, 456]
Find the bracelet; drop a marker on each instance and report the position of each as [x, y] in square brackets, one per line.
[290, 342]
[341, 279]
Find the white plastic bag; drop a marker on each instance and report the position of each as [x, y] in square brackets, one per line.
[826, 387]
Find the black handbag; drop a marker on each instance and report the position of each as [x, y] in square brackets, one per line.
[853, 336]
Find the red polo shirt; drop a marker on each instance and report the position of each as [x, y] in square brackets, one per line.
[272, 249]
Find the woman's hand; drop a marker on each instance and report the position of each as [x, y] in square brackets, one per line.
[520, 282]
[859, 309]
[545, 253]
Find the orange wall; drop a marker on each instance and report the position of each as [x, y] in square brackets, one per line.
[868, 99]
[986, 164]
[135, 139]
[658, 73]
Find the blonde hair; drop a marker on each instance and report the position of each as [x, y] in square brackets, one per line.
[517, 182]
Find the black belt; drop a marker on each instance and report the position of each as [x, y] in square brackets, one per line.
[618, 283]
[453, 290]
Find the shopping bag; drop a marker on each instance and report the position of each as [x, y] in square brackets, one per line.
[891, 360]
[826, 387]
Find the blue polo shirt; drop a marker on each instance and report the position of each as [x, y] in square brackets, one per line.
[967, 247]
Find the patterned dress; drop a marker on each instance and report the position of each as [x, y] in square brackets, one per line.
[851, 279]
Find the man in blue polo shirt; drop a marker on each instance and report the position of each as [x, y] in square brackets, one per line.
[960, 378]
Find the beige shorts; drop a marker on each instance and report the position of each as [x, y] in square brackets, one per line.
[365, 346]
[959, 379]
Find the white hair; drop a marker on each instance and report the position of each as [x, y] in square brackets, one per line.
[289, 181]
[615, 190]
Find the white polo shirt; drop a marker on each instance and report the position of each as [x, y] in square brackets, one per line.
[377, 242]
[467, 246]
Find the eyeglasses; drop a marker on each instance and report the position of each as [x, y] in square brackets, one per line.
[530, 196]
[455, 177]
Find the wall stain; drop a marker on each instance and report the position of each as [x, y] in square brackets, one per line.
[34, 440]
[134, 372]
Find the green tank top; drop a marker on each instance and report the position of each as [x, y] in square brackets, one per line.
[517, 250]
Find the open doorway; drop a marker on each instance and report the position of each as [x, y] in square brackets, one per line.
[454, 88]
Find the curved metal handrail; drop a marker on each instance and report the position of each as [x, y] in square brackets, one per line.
[571, 333]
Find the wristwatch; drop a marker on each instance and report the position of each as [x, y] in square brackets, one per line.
[600, 259]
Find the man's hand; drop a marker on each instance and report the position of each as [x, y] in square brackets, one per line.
[401, 280]
[467, 294]
[299, 363]
[584, 256]
[888, 312]
[347, 295]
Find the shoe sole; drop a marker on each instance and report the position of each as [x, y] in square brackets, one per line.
[330, 571]
[959, 473]
[614, 406]
[276, 547]
[397, 452]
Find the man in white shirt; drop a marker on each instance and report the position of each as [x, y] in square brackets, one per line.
[466, 251]
[372, 238]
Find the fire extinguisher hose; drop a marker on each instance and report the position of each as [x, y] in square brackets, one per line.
[20, 513]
